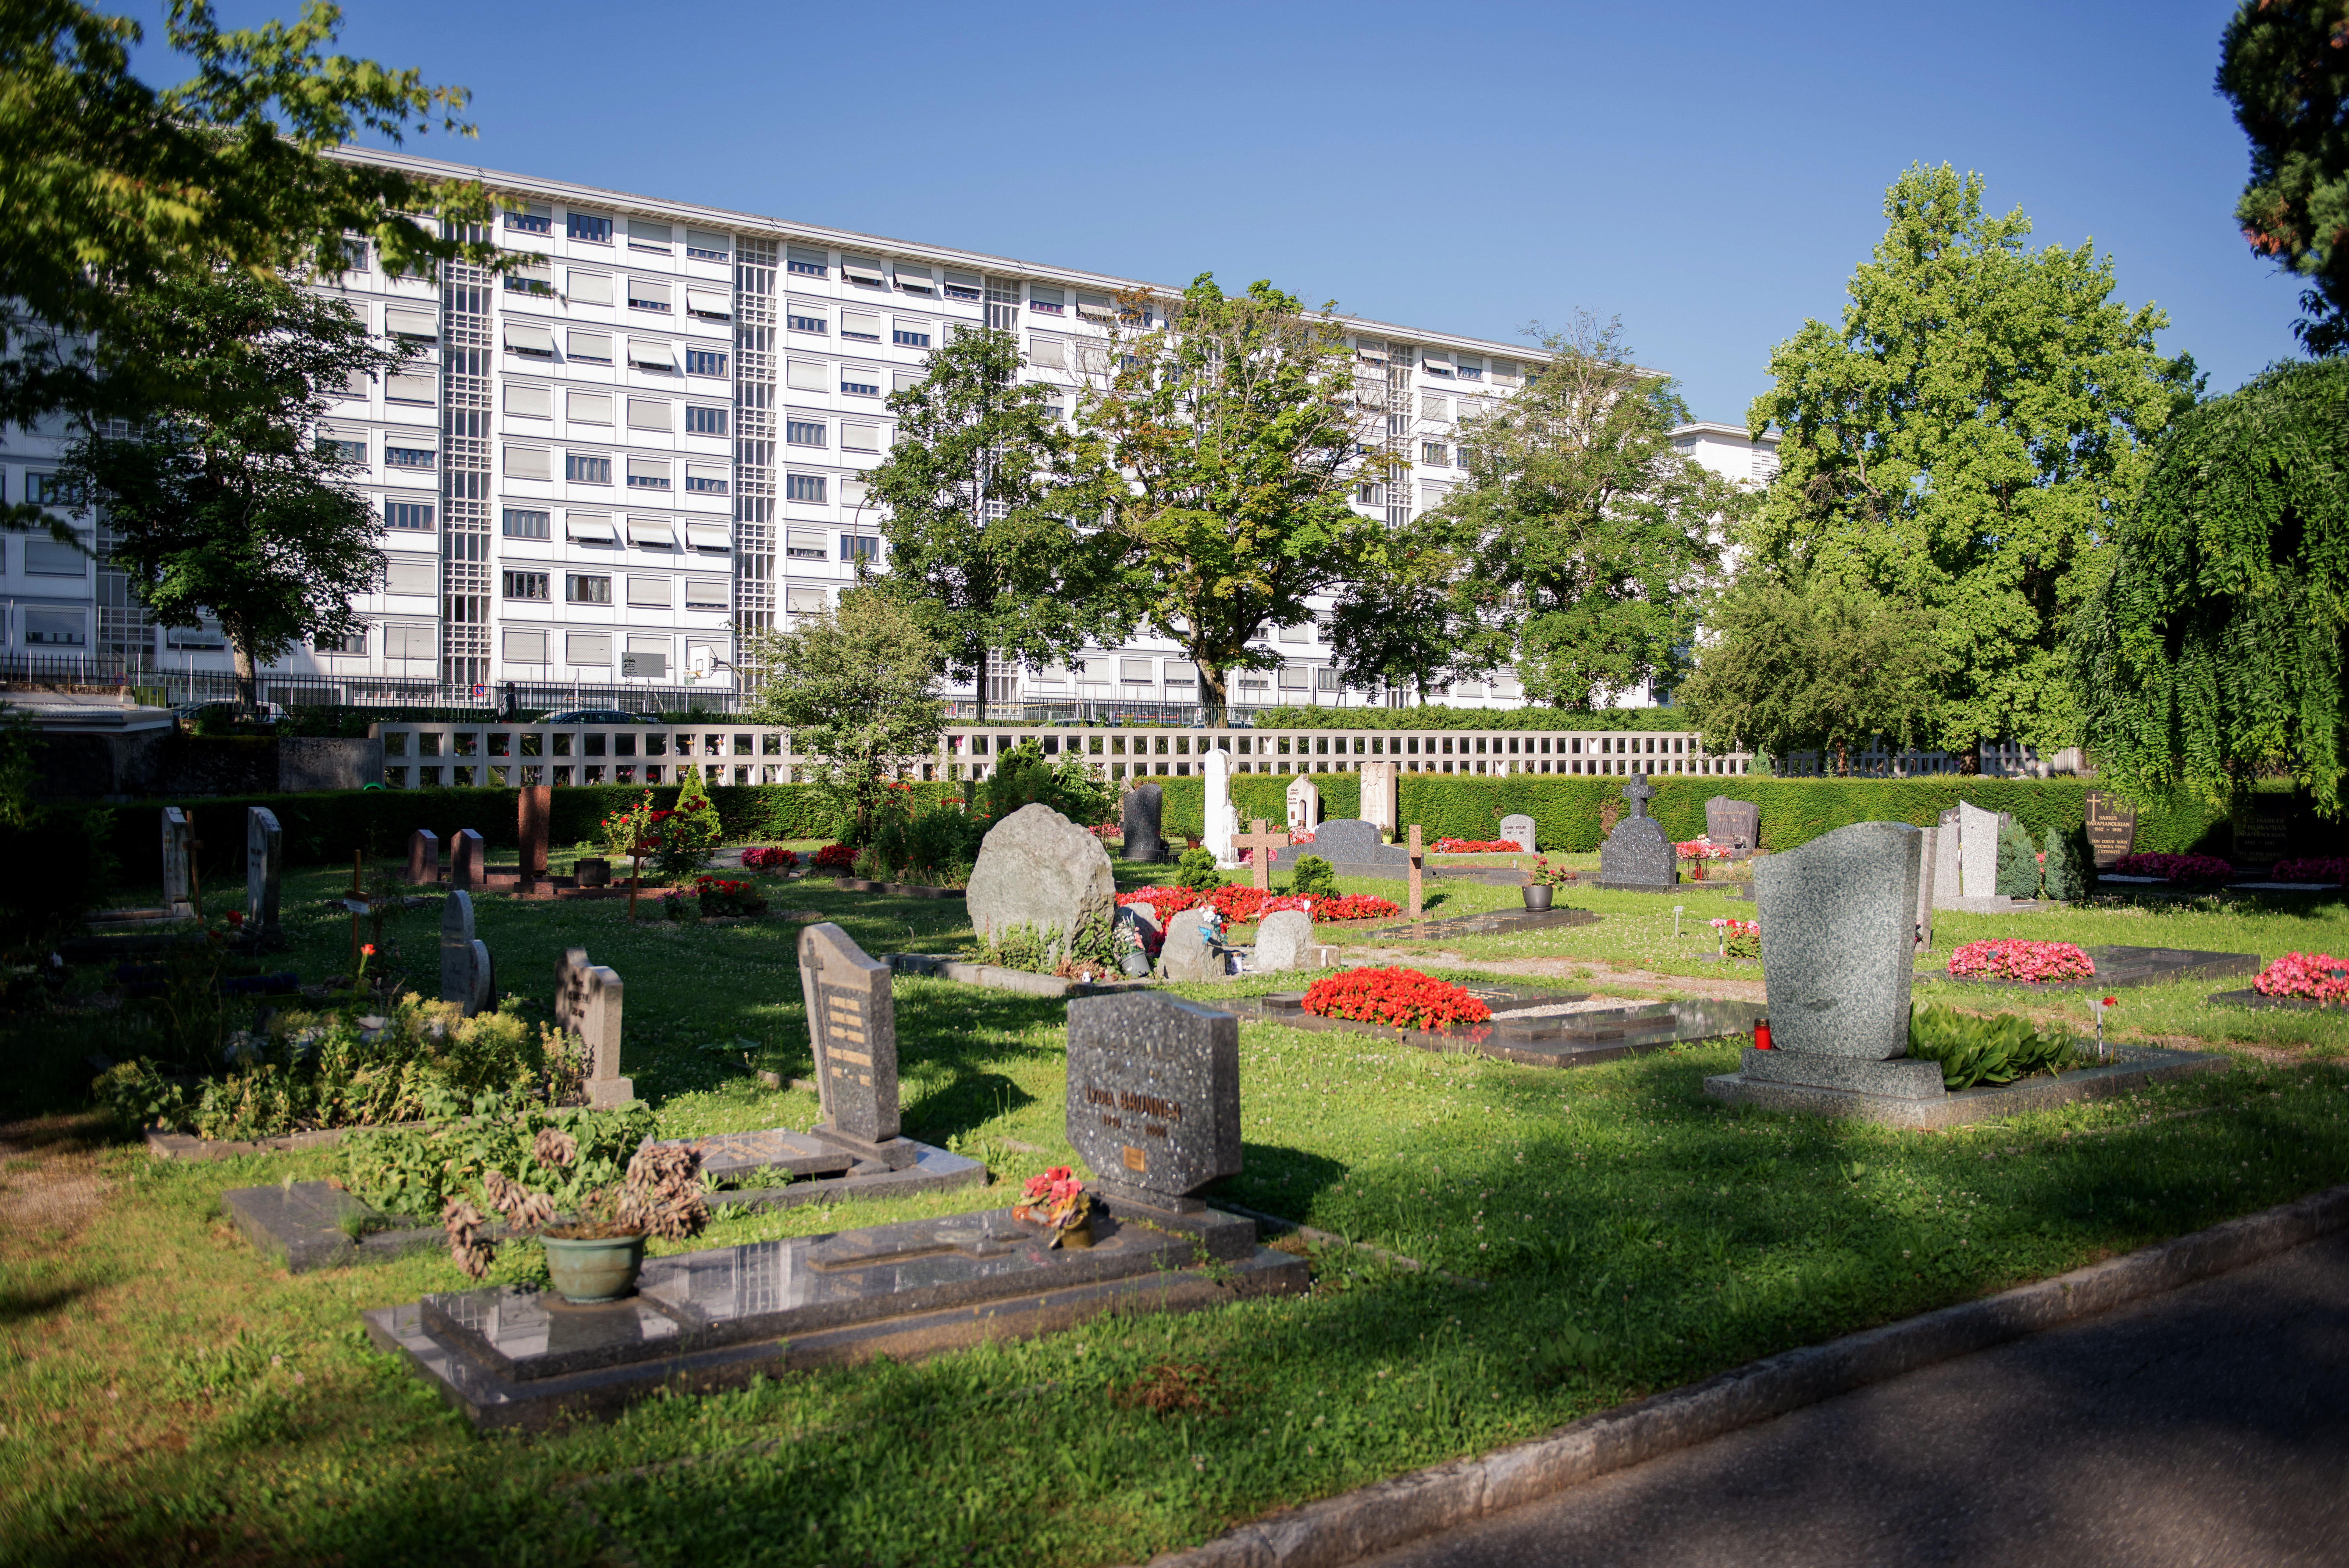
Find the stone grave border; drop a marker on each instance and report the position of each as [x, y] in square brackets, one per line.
[996, 978]
[2251, 999]
[1484, 1040]
[2133, 1066]
[2222, 965]
[1389, 932]
[900, 890]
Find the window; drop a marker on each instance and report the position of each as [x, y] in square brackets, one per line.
[1003, 304]
[419, 325]
[408, 514]
[1298, 633]
[806, 376]
[1370, 493]
[962, 284]
[911, 334]
[528, 585]
[587, 226]
[702, 246]
[1435, 452]
[590, 288]
[643, 234]
[522, 524]
[527, 463]
[355, 253]
[589, 408]
[803, 487]
[704, 478]
[864, 271]
[1049, 301]
[55, 628]
[806, 318]
[350, 642]
[906, 380]
[1505, 371]
[1435, 406]
[858, 547]
[409, 456]
[531, 277]
[580, 468]
[588, 347]
[853, 491]
[1048, 352]
[356, 385]
[700, 420]
[1095, 306]
[1432, 496]
[805, 601]
[588, 647]
[1435, 363]
[528, 402]
[54, 558]
[581, 589]
[651, 592]
[918, 279]
[1181, 672]
[398, 389]
[649, 414]
[416, 576]
[524, 647]
[804, 544]
[860, 382]
[709, 536]
[1472, 370]
[646, 295]
[529, 339]
[807, 263]
[704, 362]
[1135, 670]
[412, 642]
[863, 326]
[529, 217]
[804, 432]
[646, 658]
[649, 473]
[589, 528]
[710, 305]
[706, 593]
[859, 438]
[207, 635]
[647, 354]
[341, 450]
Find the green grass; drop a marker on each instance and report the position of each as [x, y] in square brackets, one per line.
[164, 1394]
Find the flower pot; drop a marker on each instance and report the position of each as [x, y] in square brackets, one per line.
[1078, 1235]
[589, 1269]
[1134, 965]
[594, 871]
[1537, 896]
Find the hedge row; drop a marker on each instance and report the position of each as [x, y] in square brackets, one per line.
[1438, 716]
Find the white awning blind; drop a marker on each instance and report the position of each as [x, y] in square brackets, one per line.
[406, 323]
[650, 532]
[527, 463]
[649, 353]
[1435, 361]
[649, 291]
[1047, 351]
[714, 473]
[705, 593]
[709, 302]
[709, 536]
[648, 470]
[590, 408]
[645, 231]
[703, 239]
[916, 278]
[1096, 305]
[589, 345]
[589, 528]
[858, 270]
[525, 339]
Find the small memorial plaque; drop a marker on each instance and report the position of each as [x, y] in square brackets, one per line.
[2112, 827]
[1154, 1095]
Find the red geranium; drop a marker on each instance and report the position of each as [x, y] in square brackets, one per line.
[2314, 977]
[2317, 871]
[1478, 847]
[834, 858]
[1403, 997]
[2030, 962]
[768, 860]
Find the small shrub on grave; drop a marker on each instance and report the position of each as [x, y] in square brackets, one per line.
[2311, 976]
[659, 1195]
[833, 857]
[2030, 962]
[774, 859]
[1073, 787]
[935, 846]
[686, 835]
[720, 897]
[1403, 997]
[2333, 870]
[2062, 872]
[1971, 1050]
[415, 1170]
[1314, 877]
[1197, 869]
[2018, 863]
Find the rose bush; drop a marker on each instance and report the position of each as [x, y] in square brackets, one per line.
[1403, 997]
[768, 860]
[834, 858]
[721, 896]
[2312, 976]
[2030, 962]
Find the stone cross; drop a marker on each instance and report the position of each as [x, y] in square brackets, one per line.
[1381, 791]
[587, 1000]
[853, 1025]
[533, 811]
[465, 861]
[1223, 819]
[1638, 792]
[1418, 863]
[1304, 804]
[179, 844]
[264, 858]
[1636, 853]
[423, 857]
[1261, 847]
[466, 977]
[1153, 1096]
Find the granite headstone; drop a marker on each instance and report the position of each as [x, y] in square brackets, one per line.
[588, 1002]
[178, 858]
[465, 861]
[1143, 814]
[1350, 844]
[2264, 836]
[1637, 853]
[264, 863]
[423, 857]
[853, 1023]
[1518, 830]
[2112, 828]
[1737, 823]
[1153, 1096]
[533, 814]
[1977, 851]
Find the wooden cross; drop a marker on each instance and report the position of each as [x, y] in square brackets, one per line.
[1262, 844]
[1418, 860]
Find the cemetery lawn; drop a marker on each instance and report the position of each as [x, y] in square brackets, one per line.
[1590, 1236]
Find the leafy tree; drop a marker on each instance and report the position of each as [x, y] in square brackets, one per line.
[1798, 665]
[2214, 653]
[1235, 428]
[1407, 618]
[854, 687]
[991, 508]
[2285, 65]
[226, 501]
[113, 186]
[1965, 443]
[1587, 533]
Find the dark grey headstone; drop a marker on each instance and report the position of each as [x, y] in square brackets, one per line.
[466, 858]
[1838, 920]
[264, 863]
[1737, 823]
[853, 1023]
[1142, 817]
[1344, 840]
[1637, 853]
[2112, 827]
[423, 857]
[1154, 1095]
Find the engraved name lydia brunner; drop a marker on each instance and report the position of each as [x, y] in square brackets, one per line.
[1144, 1105]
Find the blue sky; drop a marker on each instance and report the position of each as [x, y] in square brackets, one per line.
[1710, 173]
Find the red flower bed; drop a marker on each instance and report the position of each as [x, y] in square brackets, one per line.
[1355, 906]
[2027, 961]
[2327, 870]
[768, 860]
[2195, 871]
[1244, 905]
[1478, 847]
[1403, 997]
[834, 858]
[1241, 905]
[1164, 901]
[725, 896]
[2317, 976]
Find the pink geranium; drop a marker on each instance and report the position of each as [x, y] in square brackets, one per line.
[2311, 976]
[2031, 963]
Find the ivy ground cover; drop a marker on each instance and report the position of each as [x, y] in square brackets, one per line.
[165, 1394]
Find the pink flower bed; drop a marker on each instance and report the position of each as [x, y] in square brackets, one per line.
[1701, 849]
[2199, 870]
[2325, 870]
[2314, 977]
[1479, 847]
[2030, 962]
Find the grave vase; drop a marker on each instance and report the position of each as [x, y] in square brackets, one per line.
[590, 1269]
[1134, 965]
[1537, 896]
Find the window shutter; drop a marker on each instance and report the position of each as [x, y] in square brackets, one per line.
[710, 303]
[402, 321]
[403, 574]
[590, 408]
[862, 270]
[411, 388]
[588, 648]
[649, 414]
[653, 472]
[595, 347]
[530, 402]
[524, 647]
[807, 376]
[589, 528]
[649, 353]
[709, 536]
[527, 463]
[706, 593]
[590, 288]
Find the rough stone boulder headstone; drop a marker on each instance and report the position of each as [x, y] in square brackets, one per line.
[264, 863]
[2112, 827]
[1637, 853]
[1304, 804]
[1518, 830]
[1948, 875]
[466, 977]
[1381, 804]
[1143, 815]
[853, 1025]
[465, 861]
[1977, 851]
[588, 1003]
[1284, 940]
[1838, 917]
[423, 857]
[1350, 844]
[1039, 869]
[1737, 823]
[1153, 1096]
[178, 858]
[1188, 955]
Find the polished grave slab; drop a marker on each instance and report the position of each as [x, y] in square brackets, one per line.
[1521, 1030]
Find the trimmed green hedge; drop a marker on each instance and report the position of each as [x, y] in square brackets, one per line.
[1438, 716]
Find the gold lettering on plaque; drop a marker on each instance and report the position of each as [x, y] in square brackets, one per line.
[1135, 1159]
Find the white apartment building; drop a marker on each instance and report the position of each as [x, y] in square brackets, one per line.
[601, 466]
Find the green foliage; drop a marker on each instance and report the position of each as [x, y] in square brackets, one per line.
[1407, 619]
[1439, 716]
[936, 846]
[1072, 785]
[2064, 871]
[1197, 869]
[2213, 653]
[1961, 442]
[2018, 863]
[62, 861]
[1043, 952]
[1974, 1051]
[2283, 68]
[690, 831]
[413, 1170]
[1314, 877]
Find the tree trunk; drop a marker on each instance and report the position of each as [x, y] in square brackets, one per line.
[248, 694]
[1214, 699]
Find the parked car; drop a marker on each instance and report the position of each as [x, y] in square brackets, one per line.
[599, 715]
[220, 716]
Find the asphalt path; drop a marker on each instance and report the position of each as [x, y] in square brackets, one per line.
[2209, 1426]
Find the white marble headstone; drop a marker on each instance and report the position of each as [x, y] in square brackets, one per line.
[1223, 819]
[1976, 849]
[1381, 783]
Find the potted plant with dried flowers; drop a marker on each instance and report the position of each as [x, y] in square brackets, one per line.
[592, 1255]
[1059, 1202]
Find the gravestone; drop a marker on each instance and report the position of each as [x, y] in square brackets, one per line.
[1141, 812]
[853, 1025]
[533, 814]
[2265, 836]
[2112, 828]
[1948, 878]
[1518, 830]
[588, 1000]
[1928, 864]
[1188, 955]
[1381, 791]
[1221, 821]
[1284, 940]
[466, 977]
[1153, 1096]
[1977, 851]
[1838, 919]
[1304, 804]
[423, 857]
[1351, 846]
[264, 863]
[1417, 850]
[1039, 869]
[1737, 823]
[1637, 854]
[465, 861]
[179, 853]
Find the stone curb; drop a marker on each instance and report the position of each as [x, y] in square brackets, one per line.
[1389, 1513]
